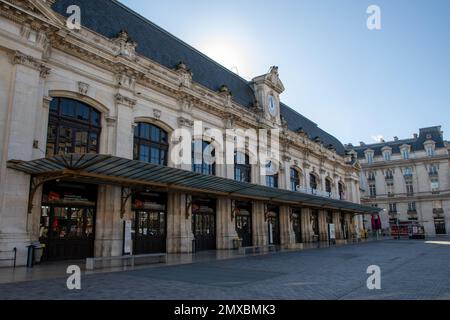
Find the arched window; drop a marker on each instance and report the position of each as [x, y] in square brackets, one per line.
[242, 167]
[341, 191]
[295, 179]
[271, 175]
[313, 182]
[201, 163]
[328, 185]
[73, 127]
[150, 144]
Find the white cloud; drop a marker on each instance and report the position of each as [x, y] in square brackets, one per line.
[377, 138]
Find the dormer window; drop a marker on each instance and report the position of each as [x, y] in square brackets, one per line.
[387, 153]
[430, 147]
[405, 149]
[369, 156]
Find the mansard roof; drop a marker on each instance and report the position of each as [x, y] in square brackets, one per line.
[416, 143]
[109, 17]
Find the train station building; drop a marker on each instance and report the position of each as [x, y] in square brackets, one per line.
[91, 134]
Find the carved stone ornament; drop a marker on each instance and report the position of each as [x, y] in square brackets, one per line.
[157, 114]
[125, 46]
[183, 122]
[83, 88]
[120, 99]
[185, 75]
[19, 58]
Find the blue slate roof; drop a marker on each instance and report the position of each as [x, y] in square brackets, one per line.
[109, 17]
[430, 133]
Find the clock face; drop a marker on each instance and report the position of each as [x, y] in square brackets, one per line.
[272, 106]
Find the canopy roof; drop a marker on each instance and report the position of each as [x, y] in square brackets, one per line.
[106, 169]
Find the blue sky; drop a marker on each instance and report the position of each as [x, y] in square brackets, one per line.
[355, 83]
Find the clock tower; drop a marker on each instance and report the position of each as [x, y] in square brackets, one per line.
[268, 88]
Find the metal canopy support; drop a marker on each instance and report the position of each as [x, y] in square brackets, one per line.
[36, 182]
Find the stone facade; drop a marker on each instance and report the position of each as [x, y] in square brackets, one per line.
[41, 59]
[409, 179]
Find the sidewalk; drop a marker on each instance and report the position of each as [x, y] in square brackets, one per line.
[52, 270]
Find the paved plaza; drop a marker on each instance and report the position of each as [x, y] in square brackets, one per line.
[410, 269]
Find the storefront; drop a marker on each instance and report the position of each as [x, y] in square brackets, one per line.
[149, 223]
[204, 223]
[67, 224]
[273, 224]
[243, 212]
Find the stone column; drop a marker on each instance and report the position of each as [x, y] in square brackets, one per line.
[179, 223]
[287, 232]
[108, 225]
[337, 224]
[124, 131]
[348, 219]
[24, 100]
[259, 225]
[307, 231]
[323, 226]
[225, 226]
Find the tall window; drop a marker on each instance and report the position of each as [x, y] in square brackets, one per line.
[408, 172]
[390, 188]
[242, 167]
[430, 150]
[389, 175]
[73, 127]
[373, 190]
[272, 175]
[328, 186]
[341, 191]
[405, 154]
[201, 162]
[369, 158]
[411, 207]
[387, 156]
[433, 171]
[371, 176]
[409, 188]
[313, 182]
[295, 179]
[150, 144]
[392, 208]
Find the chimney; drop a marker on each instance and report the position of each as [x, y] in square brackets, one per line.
[395, 138]
[362, 144]
[415, 135]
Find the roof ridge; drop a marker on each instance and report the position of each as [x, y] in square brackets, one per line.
[129, 10]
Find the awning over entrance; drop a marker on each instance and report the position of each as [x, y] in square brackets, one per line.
[106, 169]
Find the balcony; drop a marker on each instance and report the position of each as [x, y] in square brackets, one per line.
[433, 174]
[438, 211]
[412, 212]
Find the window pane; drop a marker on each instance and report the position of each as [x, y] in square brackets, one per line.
[83, 112]
[95, 118]
[144, 153]
[68, 108]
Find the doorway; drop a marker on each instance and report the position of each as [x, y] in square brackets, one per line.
[204, 223]
[244, 222]
[67, 223]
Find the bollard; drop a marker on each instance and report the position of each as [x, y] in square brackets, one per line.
[30, 256]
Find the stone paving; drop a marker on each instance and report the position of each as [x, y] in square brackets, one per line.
[410, 269]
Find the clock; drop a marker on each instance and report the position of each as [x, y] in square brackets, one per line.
[272, 106]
